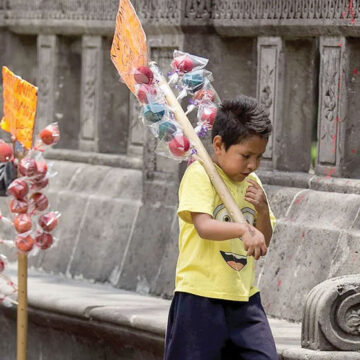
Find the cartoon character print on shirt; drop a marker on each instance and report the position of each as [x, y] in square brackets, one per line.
[235, 261]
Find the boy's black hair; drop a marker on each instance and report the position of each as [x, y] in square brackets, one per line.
[238, 119]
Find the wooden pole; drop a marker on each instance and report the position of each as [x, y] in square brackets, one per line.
[22, 312]
[22, 316]
[205, 159]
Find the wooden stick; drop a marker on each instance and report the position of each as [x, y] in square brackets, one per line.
[22, 317]
[206, 161]
[22, 312]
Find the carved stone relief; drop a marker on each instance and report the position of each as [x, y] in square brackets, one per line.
[47, 46]
[332, 315]
[91, 73]
[268, 63]
[330, 85]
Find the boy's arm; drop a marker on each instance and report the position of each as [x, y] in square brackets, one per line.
[264, 225]
[256, 196]
[211, 229]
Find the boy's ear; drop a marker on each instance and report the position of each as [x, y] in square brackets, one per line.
[218, 145]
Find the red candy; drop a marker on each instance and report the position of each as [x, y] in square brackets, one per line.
[183, 63]
[204, 95]
[40, 184]
[143, 75]
[40, 201]
[18, 188]
[179, 145]
[50, 135]
[18, 206]
[5, 152]
[24, 243]
[41, 170]
[22, 223]
[48, 221]
[208, 115]
[43, 240]
[144, 91]
[27, 167]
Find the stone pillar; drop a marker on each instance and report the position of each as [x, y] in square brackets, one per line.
[270, 91]
[47, 64]
[91, 90]
[332, 115]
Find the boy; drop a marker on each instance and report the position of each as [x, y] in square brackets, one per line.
[216, 312]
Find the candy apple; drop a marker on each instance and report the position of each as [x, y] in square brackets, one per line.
[24, 243]
[18, 188]
[39, 201]
[48, 221]
[5, 151]
[50, 135]
[22, 223]
[27, 167]
[43, 240]
[19, 206]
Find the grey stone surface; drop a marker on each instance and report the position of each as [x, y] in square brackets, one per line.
[67, 91]
[293, 134]
[114, 124]
[143, 259]
[307, 247]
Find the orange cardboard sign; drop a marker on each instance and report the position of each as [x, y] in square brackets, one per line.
[128, 50]
[20, 99]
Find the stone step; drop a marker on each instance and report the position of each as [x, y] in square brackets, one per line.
[102, 304]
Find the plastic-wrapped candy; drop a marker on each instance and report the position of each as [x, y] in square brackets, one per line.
[43, 240]
[6, 151]
[48, 136]
[207, 112]
[179, 145]
[18, 188]
[19, 206]
[22, 223]
[167, 130]
[24, 242]
[38, 202]
[143, 75]
[27, 166]
[145, 93]
[154, 112]
[49, 221]
[184, 62]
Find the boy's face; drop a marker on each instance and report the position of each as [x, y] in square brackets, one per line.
[240, 159]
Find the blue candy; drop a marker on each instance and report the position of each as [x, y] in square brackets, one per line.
[154, 112]
[194, 80]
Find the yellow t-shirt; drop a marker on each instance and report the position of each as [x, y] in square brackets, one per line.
[214, 269]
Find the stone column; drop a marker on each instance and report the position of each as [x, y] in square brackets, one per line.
[270, 91]
[47, 64]
[91, 90]
[332, 106]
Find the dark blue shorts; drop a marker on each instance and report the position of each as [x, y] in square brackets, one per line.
[201, 328]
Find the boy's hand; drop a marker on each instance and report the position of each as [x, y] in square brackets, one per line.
[254, 242]
[256, 196]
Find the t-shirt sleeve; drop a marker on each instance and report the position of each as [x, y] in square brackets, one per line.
[196, 193]
[272, 216]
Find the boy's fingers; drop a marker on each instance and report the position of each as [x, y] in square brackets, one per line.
[250, 251]
[252, 182]
[257, 253]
